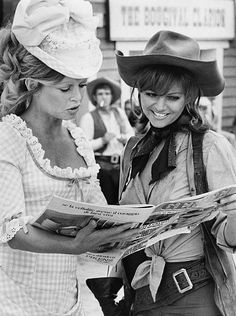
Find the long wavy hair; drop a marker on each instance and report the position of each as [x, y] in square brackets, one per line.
[16, 65]
[160, 79]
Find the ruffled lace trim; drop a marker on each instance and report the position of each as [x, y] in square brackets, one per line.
[11, 226]
[83, 148]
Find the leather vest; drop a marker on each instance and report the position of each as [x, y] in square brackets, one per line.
[99, 128]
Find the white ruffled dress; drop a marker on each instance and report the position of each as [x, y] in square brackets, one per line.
[34, 284]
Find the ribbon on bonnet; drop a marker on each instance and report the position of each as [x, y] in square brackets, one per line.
[38, 18]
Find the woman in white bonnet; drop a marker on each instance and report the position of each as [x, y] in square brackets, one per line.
[46, 55]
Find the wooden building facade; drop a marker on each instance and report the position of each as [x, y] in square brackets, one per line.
[112, 36]
[223, 49]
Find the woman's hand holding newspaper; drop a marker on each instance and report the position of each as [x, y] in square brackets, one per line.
[91, 239]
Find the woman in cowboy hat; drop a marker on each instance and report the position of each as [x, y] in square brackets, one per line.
[46, 57]
[187, 274]
[108, 129]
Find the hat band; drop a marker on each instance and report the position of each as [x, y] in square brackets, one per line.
[50, 46]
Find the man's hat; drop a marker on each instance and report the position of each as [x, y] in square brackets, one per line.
[60, 33]
[92, 86]
[173, 49]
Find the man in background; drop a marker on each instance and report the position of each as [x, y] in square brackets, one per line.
[108, 129]
[130, 112]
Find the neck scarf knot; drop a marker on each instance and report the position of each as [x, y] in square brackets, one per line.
[166, 160]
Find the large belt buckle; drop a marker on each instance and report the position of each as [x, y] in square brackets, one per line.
[182, 280]
[115, 159]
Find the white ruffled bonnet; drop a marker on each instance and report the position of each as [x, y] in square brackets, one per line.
[61, 33]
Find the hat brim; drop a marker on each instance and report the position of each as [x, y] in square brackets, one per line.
[70, 64]
[116, 90]
[206, 73]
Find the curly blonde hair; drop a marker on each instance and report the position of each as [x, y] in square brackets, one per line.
[16, 65]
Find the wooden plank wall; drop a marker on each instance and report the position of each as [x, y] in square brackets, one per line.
[109, 67]
[229, 97]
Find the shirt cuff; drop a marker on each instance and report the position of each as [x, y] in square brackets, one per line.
[10, 227]
[221, 241]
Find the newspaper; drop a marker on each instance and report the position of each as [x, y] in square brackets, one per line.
[156, 223]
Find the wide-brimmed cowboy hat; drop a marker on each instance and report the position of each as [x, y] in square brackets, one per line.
[173, 49]
[115, 88]
[60, 33]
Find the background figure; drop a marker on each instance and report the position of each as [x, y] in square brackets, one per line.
[206, 108]
[131, 112]
[136, 118]
[46, 56]
[108, 129]
[207, 112]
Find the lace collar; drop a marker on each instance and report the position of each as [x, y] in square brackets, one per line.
[81, 142]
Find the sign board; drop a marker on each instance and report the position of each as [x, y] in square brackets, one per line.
[132, 20]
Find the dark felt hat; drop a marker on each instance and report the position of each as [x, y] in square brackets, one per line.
[171, 48]
[115, 88]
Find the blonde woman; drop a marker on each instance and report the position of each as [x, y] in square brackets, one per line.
[46, 56]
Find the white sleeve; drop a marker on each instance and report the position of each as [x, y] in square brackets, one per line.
[220, 162]
[12, 202]
[129, 131]
[87, 125]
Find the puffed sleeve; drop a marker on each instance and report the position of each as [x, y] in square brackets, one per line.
[12, 205]
[95, 195]
[220, 162]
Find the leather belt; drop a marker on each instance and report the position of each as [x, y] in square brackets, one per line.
[114, 159]
[178, 279]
